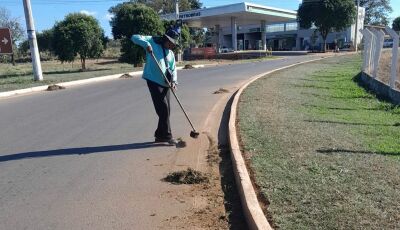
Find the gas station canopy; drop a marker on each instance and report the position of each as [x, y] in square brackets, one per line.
[244, 14]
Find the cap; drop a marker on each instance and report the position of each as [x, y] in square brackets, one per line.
[172, 35]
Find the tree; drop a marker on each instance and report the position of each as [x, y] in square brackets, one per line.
[45, 40]
[396, 24]
[78, 34]
[195, 4]
[185, 37]
[198, 36]
[165, 7]
[133, 18]
[326, 15]
[23, 47]
[376, 11]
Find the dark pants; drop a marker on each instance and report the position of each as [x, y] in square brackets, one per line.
[160, 96]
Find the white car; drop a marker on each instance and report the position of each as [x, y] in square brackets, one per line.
[388, 43]
[226, 50]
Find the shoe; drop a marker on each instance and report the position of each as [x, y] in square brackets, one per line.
[170, 141]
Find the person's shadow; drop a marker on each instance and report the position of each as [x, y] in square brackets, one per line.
[80, 151]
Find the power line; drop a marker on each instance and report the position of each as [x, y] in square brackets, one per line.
[63, 2]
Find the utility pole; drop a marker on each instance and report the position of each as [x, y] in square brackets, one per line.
[176, 9]
[356, 33]
[30, 28]
[177, 18]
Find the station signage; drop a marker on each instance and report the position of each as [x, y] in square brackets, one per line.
[189, 15]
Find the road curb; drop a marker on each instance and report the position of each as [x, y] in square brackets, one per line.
[253, 213]
[75, 83]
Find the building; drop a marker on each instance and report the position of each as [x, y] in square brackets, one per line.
[248, 26]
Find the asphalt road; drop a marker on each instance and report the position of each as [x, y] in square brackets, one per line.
[82, 158]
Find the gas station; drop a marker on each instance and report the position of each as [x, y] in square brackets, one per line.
[247, 26]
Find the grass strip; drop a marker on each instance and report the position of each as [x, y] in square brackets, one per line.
[324, 151]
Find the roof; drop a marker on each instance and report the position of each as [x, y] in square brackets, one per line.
[245, 14]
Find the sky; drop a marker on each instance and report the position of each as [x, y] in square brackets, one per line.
[47, 12]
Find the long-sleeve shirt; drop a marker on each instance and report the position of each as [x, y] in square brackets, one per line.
[151, 71]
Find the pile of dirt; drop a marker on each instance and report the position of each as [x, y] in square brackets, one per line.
[221, 90]
[189, 176]
[126, 75]
[55, 87]
[188, 66]
[181, 143]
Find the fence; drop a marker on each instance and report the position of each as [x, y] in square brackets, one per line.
[379, 63]
[381, 66]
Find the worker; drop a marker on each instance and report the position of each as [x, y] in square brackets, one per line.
[161, 47]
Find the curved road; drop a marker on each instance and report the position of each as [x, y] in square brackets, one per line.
[82, 158]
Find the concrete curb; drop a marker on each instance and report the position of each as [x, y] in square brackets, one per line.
[253, 213]
[74, 83]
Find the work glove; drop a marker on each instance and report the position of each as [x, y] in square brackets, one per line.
[149, 49]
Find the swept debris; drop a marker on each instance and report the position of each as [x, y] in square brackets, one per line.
[188, 66]
[126, 75]
[189, 176]
[181, 143]
[221, 90]
[55, 87]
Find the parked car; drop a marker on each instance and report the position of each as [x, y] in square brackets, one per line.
[226, 50]
[347, 46]
[388, 43]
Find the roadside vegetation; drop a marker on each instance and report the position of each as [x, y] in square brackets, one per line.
[20, 76]
[324, 152]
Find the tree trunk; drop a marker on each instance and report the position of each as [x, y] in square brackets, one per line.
[324, 36]
[13, 59]
[83, 62]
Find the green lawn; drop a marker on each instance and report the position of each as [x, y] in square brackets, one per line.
[324, 152]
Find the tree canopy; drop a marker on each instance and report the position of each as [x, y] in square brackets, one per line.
[78, 34]
[326, 15]
[396, 24]
[45, 40]
[162, 6]
[376, 11]
[134, 18]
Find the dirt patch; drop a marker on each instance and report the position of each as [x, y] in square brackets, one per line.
[213, 151]
[221, 90]
[189, 176]
[55, 87]
[125, 76]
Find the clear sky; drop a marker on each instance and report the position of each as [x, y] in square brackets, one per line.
[47, 12]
